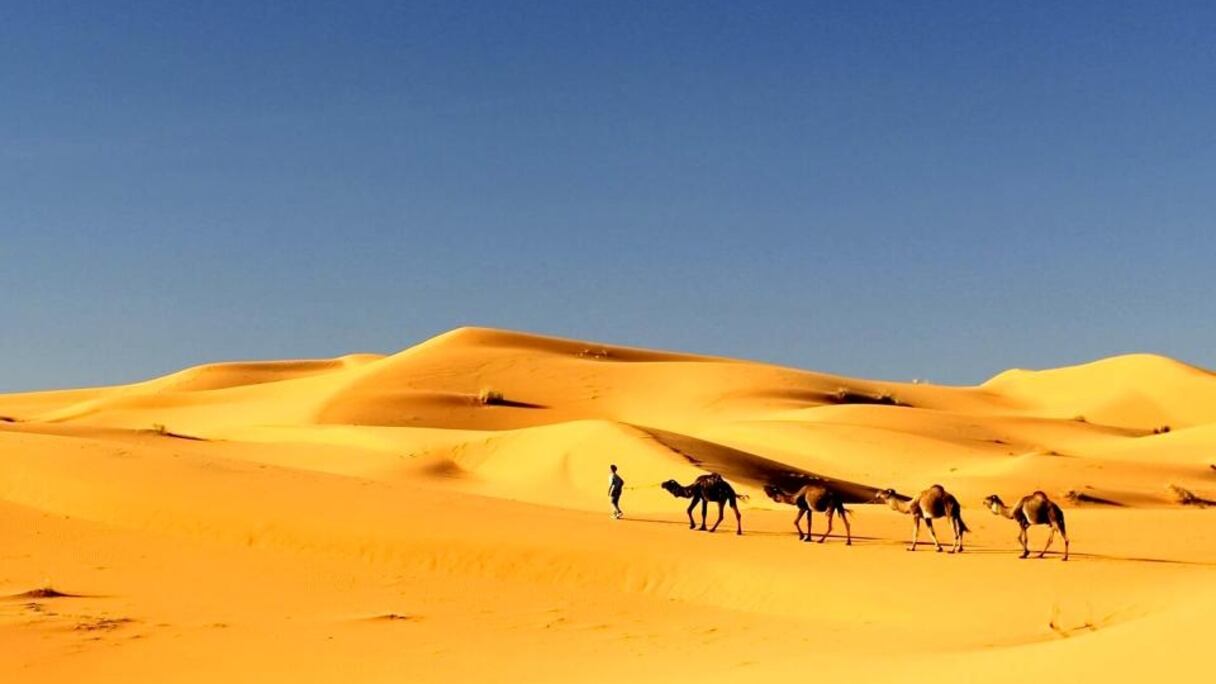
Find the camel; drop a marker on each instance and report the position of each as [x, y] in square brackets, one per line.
[813, 497]
[1035, 509]
[934, 502]
[707, 488]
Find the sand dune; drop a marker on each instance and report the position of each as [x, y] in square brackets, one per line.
[440, 514]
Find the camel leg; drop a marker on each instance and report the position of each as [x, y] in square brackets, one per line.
[1050, 538]
[692, 523]
[933, 534]
[831, 515]
[915, 532]
[798, 523]
[738, 517]
[956, 523]
[848, 529]
[721, 506]
[1065, 535]
[809, 514]
[1023, 538]
[704, 511]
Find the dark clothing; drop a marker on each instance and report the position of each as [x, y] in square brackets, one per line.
[615, 486]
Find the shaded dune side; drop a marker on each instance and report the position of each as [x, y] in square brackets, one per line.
[758, 471]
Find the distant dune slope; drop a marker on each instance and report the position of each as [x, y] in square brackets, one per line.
[531, 407]
[1137, 391]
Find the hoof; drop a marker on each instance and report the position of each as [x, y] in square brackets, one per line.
[911, 548]
[1065, 558]
[822, 539]
[738, 533]
[1023, 556]
[939, 549]
[849, 542]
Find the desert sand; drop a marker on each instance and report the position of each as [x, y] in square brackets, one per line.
[440, 514]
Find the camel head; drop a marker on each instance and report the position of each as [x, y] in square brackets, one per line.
[775, 493]
[673, 488]
[994, 503]
[885, 495]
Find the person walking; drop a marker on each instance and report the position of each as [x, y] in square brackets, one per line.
[615, 486]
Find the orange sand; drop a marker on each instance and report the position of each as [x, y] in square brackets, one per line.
[371, 519]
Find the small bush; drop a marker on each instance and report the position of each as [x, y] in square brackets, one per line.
[846, 395]
[598, 354]
[490, 397]
[160, 429]
[1188, 498]
[1161, 430]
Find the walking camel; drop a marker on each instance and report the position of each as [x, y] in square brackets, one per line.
[934, 502]
[707, 488]
[1035, 509]
[813, 497]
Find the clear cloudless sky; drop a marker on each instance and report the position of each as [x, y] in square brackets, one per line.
[886, 189]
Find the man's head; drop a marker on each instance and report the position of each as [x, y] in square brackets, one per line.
[612, 467]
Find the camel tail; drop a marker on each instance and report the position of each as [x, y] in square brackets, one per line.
[962, 526]
[742, 497]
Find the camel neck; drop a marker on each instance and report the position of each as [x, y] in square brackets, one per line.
[899, 506]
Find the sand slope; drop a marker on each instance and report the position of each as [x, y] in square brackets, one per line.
[441, 513]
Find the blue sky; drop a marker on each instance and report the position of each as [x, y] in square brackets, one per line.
[891, 190]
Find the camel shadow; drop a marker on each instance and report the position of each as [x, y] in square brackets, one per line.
[1076, 555]
[755, 533]
[1138, 559]
[860, 540]
[653, 521]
